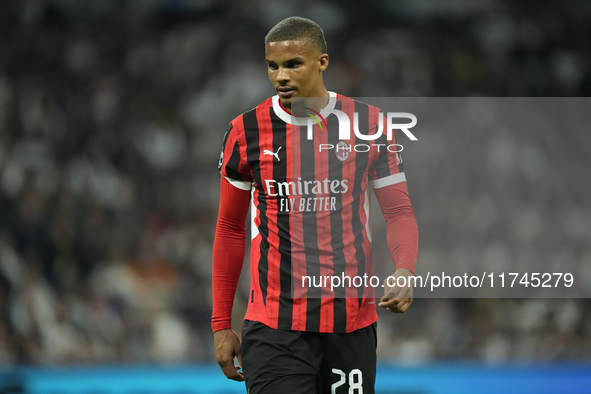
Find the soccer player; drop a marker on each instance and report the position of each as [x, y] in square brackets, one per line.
[309, 219]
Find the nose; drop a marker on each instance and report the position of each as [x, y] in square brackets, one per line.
[282, 75]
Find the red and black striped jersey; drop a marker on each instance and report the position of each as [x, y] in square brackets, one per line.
[310, 210]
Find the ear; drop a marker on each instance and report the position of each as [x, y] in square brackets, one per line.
[323, 62]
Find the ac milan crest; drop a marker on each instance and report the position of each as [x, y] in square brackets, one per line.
[342, 151]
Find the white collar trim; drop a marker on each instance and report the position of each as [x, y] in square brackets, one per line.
[297, 121]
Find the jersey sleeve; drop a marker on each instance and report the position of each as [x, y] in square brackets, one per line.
[402, 233]
[233, 164]
[228, 252]
[387, 168]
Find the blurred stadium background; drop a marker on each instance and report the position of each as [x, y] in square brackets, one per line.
[111, 118]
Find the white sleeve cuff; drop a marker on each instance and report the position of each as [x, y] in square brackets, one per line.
[242, 185]
[389, 180]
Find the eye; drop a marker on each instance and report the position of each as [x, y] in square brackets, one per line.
[272, 66]
[292, 65]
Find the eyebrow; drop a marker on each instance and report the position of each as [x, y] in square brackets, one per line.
[295, 59]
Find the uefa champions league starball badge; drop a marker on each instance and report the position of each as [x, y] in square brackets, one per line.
[342, 151]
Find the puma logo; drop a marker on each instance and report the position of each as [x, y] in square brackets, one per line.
[268, 152]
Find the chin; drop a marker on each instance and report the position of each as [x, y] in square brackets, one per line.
[286, 102]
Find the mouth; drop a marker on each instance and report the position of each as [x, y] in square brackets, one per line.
[285, 91]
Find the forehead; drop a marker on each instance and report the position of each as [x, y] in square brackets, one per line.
[284, 50]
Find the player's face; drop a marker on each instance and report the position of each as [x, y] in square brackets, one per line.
[295, 69]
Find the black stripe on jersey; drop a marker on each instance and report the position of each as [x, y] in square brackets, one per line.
[396, 135]
[226, 136]
[251, 131]
[224, 140]
[310, 229]
[234, 163]
[335, 171]
[382, 165]
[361, 160]
[285, 275]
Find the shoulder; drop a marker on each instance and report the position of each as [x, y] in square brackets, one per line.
[357, 104]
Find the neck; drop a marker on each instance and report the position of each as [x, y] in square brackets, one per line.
[316, 101]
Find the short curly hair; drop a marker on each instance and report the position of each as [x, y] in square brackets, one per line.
[298, 28]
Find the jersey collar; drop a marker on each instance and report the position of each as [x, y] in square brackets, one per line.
[297, 121]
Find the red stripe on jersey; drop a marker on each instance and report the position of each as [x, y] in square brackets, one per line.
[350, 172]
[323, 227]
[255, 301]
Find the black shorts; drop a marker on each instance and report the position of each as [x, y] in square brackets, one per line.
[293, 362]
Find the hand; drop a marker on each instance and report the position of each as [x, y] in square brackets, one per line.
[227, 346]
[397, 299]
